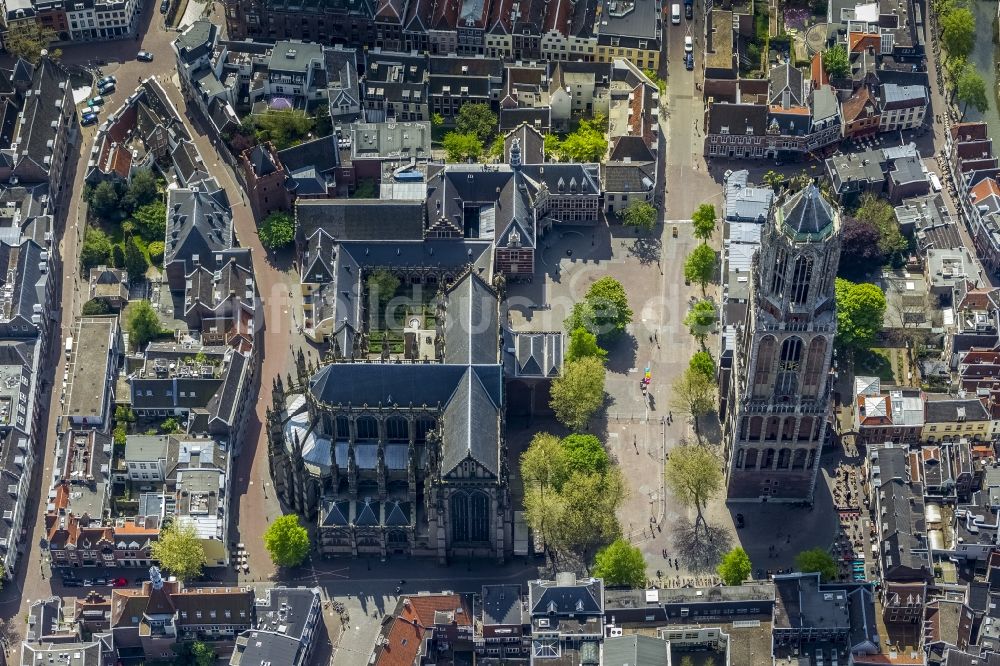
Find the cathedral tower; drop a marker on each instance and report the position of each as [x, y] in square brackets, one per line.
[780, 395]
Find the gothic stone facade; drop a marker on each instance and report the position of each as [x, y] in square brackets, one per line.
[780, 400]
[400, 457]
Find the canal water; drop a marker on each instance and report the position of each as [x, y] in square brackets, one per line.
[984, 58]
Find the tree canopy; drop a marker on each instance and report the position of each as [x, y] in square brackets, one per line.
[836, 63]
[606, 311]
[179, 550]
[96, 248]
[104, 200]
[860, 251]
[141, 190]
[586, 144]
[95, 306]
[477, 119]
[143, 324]
[579, 392]
[571, 491]
[958, 32]
[282, 127]
[461, 147]
[583, 343]
[703, 363]
[27, 39]
[860, 313]
[694, 476]
[700, 319]
[287, 541]
[970, 90]
[277, 230]
[704, 221]
[382, 285]
[694, 395]
[135, 260]
[881, 214]
[699, 267]
[621, 563]
[735, 567]
[150, 220]
[585, 454]
[639, 214]
[817, 560]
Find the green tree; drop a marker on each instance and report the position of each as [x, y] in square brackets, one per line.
[583, 343]
[277, 230]
[96, 249]
[203, 653]
[135, 260]
[735, 567]
[773, 179]
[95, 306]
[971, 89]
[621, 563]
[27, 39]
[579, 392]
[462, 147]
[141, 191]
[282, 127]
[287, 541]
[117, 256]
[694, 395]
[609, 303]
[437, 120]
[587, 143]
[120, 434]
[836, 63]
[817, 560]
[496, 148]
[703, 363]
[124, 415]
[151, 220]
[585, 453]
[105, 201]
[704, 221]
[639, 214]
[551, 147]
[382, 285]
[170, 426]
[143, 324]
[881, 214]
[860, 313]
[699, 267]
[958, 32]
[590, 503]
[477, 119]
[700, 319]
[179, 550]
[155, 250]
[694, 476]
[544, 469]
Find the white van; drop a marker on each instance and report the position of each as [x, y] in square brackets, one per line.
[935, 182]
[675, 13]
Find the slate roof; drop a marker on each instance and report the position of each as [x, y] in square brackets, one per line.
[808, 213]
[737, 119]
[472, 425]
[635, 650]
[199, 221]
[472, 326]
[501, 604]
[629, 176]
[360, 219]
[49, 85]
[569, 596]
[196, 41]
[310, 164]
[534, 354]
[786, 79]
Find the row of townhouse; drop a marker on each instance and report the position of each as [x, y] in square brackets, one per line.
[584, 30]
[268, 625]
[105, 509]
[76, 20]
[793, 113]
[36, 106]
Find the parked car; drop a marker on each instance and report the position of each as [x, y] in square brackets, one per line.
[144, 56]
[97, 100]
[106, 89]
[689, 61]
[688, 12]
[101, 581]
[71, 582]
[120, 582]
[688, 44]
[105, 80]
[88, 119]
[87, 582]
[164, 6]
